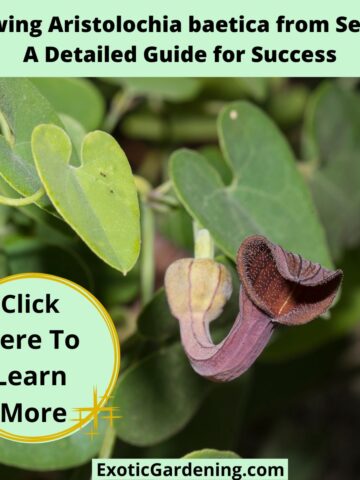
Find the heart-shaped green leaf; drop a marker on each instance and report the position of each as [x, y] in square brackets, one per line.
[68, 452]
[332, 139]
[157, 397]
[98, 199]
[22, 108]
[267, 194]
[75, 97]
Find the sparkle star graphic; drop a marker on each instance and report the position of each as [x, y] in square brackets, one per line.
[96, 412]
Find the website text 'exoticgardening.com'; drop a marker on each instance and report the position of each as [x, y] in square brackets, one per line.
[227, 469]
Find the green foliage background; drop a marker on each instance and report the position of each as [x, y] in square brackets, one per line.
[279, 157]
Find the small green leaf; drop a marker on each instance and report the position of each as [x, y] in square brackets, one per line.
[75, 97]
[267, 194]
[68, 452]
[209, 453]
[157, 397]
[97, 199]
[22, 108]
[287, 105]
[332, 142]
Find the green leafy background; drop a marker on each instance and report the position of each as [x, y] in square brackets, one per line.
[238, 156]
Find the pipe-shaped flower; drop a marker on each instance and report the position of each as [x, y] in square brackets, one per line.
[290, 289]
[277, 287]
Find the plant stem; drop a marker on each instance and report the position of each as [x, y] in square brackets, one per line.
[108, 444]
[159, 207]
[22, 202]
[120, 104]
[204, 244]
[6, 131]
[147, 264]
[162, 196]
[163, 188]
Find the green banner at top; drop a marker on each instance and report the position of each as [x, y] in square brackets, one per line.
[187, 38]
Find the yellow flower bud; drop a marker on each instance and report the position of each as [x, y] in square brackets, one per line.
[197, 287]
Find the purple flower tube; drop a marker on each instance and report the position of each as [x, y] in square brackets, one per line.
[278, 287]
